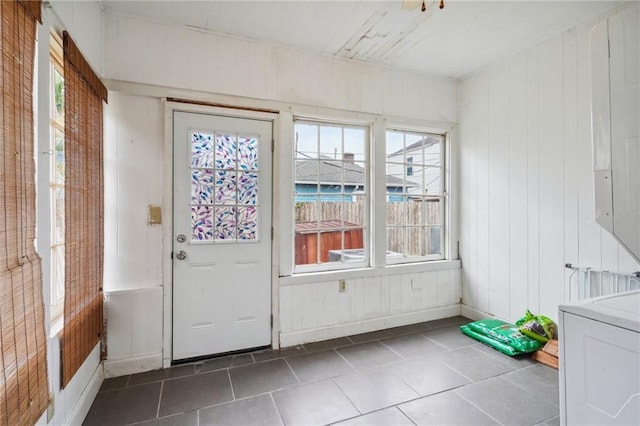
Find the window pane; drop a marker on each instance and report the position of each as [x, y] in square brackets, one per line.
[414, 194]
[434, 240]
[354, 144]
[57, 274]
[330, 142]
[415, 241]
[58, 225]
[330, 193]
[58, 156]
[58, 87]
[395, 240]
[306, 140]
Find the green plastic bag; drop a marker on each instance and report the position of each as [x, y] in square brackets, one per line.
[501, 335]
[537, 327]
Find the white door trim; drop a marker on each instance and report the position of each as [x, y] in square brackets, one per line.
[167, 207]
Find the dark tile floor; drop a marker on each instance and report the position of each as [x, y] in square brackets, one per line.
[422, 374]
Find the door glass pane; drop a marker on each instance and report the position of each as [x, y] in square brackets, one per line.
[225, 152]
[201, 150]
[247, 153]
[248, 188]
[226, 188]
[225, 228]
[201, 186]
[202, 223]
[247, 223]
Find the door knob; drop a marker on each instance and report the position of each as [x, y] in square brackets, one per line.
[181, 255]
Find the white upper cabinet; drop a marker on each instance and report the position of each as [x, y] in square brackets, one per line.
[615, 60]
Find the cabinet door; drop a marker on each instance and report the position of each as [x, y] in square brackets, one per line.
[624, 41]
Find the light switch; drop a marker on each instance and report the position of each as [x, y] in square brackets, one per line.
[155, 215]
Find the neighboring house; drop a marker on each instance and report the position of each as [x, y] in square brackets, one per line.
[420, 160]
[328, 173]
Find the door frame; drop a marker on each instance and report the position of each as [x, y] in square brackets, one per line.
[167, 206]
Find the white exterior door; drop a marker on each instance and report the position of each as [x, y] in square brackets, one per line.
[221, 234]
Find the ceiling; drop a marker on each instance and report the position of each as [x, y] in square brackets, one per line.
[456, 41]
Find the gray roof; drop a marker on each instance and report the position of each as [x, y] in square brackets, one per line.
[330, 173]
[426, 142]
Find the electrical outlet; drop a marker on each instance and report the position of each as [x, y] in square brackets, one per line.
[342, 286]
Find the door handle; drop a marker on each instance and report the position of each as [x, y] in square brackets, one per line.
[181, 255]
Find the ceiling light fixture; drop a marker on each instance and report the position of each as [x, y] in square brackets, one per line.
[424, 5]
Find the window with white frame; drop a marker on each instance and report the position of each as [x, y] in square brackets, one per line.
[56, 177]
[333, 199]
[330, 195]
[415, 209]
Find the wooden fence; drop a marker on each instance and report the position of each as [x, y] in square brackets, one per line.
[418, 239]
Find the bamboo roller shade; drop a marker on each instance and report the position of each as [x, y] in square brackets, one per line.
[23, 381]
[84, 206]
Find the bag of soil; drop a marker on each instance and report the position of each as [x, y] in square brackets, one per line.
[501, 335]
[538, 327]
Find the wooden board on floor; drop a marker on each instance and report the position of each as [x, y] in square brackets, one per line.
[548, 355]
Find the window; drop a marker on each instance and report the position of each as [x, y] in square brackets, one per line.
[415, 207]
[56, 177]
[330, 195]
[333, 199]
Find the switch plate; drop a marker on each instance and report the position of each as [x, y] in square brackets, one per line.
[155, 215]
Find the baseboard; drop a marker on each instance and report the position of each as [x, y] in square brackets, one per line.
[123, 367]
[88, 395]
[476, 314]
[374, 324]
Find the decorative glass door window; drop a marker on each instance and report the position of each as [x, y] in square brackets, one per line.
[224, 187]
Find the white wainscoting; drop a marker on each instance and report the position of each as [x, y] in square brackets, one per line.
[313, 309]
[134, 331]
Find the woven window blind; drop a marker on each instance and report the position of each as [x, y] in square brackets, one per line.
[83, 97]
[23, 360]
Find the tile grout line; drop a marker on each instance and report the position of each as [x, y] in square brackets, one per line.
[479, 408]
[233, 394]
[291, 369]
[273, 401]
[347, 396]
[160, 399]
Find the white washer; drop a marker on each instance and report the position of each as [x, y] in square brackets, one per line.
[600, 361]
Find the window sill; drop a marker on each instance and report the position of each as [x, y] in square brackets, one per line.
[56, 325]
[403, 268]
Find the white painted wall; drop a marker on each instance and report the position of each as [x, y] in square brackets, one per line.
[83, 21]
[159, 54]
[526, 180]
[145, 61]
[134, 137]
